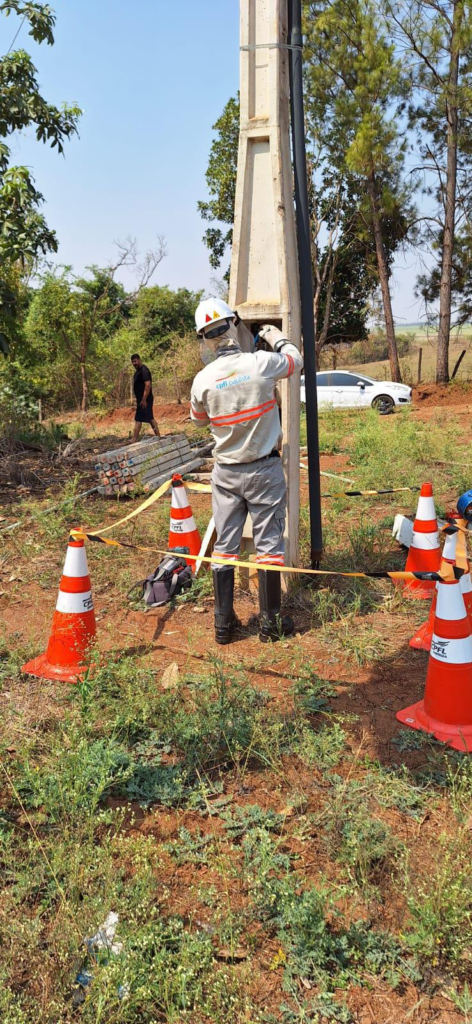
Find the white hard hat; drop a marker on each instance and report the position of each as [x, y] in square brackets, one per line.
[210, 311]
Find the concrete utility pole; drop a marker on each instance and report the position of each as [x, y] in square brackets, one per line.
[264, 282]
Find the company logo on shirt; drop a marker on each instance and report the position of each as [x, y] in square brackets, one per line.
[228, 375]
[231, 380]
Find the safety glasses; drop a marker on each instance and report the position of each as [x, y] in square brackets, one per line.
[214, 332]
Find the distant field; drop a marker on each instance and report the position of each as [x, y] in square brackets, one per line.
[427, 340]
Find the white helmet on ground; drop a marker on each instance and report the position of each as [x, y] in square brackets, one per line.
[210, 311]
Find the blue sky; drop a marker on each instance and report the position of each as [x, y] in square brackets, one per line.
[151, 77]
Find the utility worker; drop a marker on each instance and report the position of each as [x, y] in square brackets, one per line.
[235, 394]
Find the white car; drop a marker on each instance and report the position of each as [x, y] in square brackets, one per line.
[341, 389]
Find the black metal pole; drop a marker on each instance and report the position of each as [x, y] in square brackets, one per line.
[295, 38]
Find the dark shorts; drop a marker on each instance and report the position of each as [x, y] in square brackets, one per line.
[144, 415]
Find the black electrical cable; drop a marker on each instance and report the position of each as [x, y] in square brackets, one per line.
[15, 37]
[295, 38]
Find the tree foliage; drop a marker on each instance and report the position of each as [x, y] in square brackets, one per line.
[437, 38]
[221, 181]
[24, 233]
[361, 209]
[354, 90]
[160, 315]
[70, 315]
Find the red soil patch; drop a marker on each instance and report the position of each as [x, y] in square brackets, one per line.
[442, 395]
[170, 412]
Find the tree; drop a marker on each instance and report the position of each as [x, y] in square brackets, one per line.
[221, 181]
[429, 284]
[15, 298]
[341, 279]
[340, 302]
[438, 37]
[24, 233]
[354, 89]
[344, 253]
[159, 315]
[71, 314]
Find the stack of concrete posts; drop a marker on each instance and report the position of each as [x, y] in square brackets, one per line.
[147, 464]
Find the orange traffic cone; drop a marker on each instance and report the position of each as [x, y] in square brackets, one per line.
[73, 625]
[183, 530]
[421, 641]
[446, 709]
[422, 638]
[424, 554]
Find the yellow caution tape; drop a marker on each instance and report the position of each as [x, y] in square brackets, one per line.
[367, 494]
[448, 573]
[147, 504]
[206, 489]
[141, 508]
[193, 486]
[452, 526]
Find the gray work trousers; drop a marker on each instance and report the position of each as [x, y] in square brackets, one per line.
[258, 488]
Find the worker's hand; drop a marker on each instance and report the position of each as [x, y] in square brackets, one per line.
[143, 403]
[271, 334]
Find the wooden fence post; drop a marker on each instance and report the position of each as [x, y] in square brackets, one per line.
[458, 363]
[420, 359]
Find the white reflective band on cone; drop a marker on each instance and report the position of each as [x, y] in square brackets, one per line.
[454, 652]
[425, 541]
[426, 509]
[74, 603]
[179, 497]
[450, 604]
[75, 563]
[182, 525]
[450, 546]
[466, 583]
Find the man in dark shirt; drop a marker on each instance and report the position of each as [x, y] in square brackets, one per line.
[142, 385]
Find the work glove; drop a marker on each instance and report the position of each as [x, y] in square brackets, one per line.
[272, 336]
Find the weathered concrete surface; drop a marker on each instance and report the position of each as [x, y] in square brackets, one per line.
[264, 282]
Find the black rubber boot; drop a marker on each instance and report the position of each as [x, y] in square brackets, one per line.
[226, 621]
[273, 626]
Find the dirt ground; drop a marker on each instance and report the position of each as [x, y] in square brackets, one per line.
[366, 695]
[33, 472]
[378, 690]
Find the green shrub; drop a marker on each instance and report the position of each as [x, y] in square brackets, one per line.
[440, 905]
[69, 783]
[374, 349]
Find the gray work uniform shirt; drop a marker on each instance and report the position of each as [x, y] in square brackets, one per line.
[235, 394]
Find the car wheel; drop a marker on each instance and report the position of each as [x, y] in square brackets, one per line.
[384, 404]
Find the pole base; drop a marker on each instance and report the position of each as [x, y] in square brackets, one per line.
[42, 668]
[456, 736]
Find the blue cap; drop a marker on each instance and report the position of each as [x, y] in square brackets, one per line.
[463, 502]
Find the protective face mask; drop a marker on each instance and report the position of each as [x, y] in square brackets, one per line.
[207, 354]
[239, 335]
[211, 347]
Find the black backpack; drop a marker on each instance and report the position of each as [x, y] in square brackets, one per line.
[171, 578]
